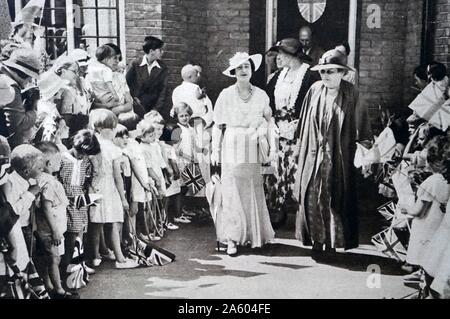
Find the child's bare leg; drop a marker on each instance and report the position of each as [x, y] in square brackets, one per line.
[103, 243]
[69, 247]
[141, 220]
[96, 230]
[42, 266]
[55, 278]
[115, 240]
[134, 208]
[12, 255]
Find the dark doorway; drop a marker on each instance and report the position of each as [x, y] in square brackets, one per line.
[258, 37]
[329, 30]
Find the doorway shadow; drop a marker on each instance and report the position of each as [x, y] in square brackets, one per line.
[351, 261]
[275, 250]
[361, 263]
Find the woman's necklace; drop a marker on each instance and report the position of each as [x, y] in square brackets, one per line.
[247, 98]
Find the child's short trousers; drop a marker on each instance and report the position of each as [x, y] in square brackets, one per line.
[45, 248]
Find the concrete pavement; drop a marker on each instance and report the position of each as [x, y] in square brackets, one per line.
[283, 270]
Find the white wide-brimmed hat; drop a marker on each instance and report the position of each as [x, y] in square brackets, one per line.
[241, 57]
[49, 84]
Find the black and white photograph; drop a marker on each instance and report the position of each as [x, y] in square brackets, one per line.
[196, 150]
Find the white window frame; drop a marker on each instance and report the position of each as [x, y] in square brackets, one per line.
[71, 33]
[70, 24]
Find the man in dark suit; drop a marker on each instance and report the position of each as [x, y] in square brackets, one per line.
[309, 47]
[147, 78]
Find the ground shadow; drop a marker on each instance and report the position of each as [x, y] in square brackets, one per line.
[350, 261]
[360, 262]
[275, 250]
[287, 266]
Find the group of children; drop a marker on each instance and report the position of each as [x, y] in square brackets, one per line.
[422, 185]
[107, 181]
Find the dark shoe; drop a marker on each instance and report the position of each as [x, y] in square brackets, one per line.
[317, 248]
[330, 250]
[317, 251]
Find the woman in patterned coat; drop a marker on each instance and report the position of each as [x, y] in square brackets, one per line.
[286, 90]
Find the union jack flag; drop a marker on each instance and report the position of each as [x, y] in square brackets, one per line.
[388, 243]
[33, 9]
[388, 210]
[193, 179]
[157, 256]
[312, 10]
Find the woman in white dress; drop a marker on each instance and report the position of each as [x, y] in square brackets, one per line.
[243, 119]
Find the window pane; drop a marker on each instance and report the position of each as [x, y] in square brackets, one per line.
[55, 34]
[99, 25]
[95, 23]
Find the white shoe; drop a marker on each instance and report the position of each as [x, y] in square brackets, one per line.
[96, 262]
[171, 226]
[231, 249]
[154, 237]
[189, 213]
[89, 270]
[128, 264]
[110, 256]
[182, 220]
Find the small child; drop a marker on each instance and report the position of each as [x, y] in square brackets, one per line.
[121, 141]
[107, 182]
[51, 221]
[154, 160]
[27, 162]
[188, 152]
[437, 258]
[189, 92]
[100, 77]
[15, 189]
[75, 175]
[432, 194]
[13, 252]
[425, 133]
[124, 110]
[139, 182]
[169, 138]
[185, 148]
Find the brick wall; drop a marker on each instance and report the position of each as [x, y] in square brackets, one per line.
[382, 57]
[412, 46]
[181, 24]
[228, 29]
[5, 20]
[142, 18]
[442, 32]
[196, 32]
